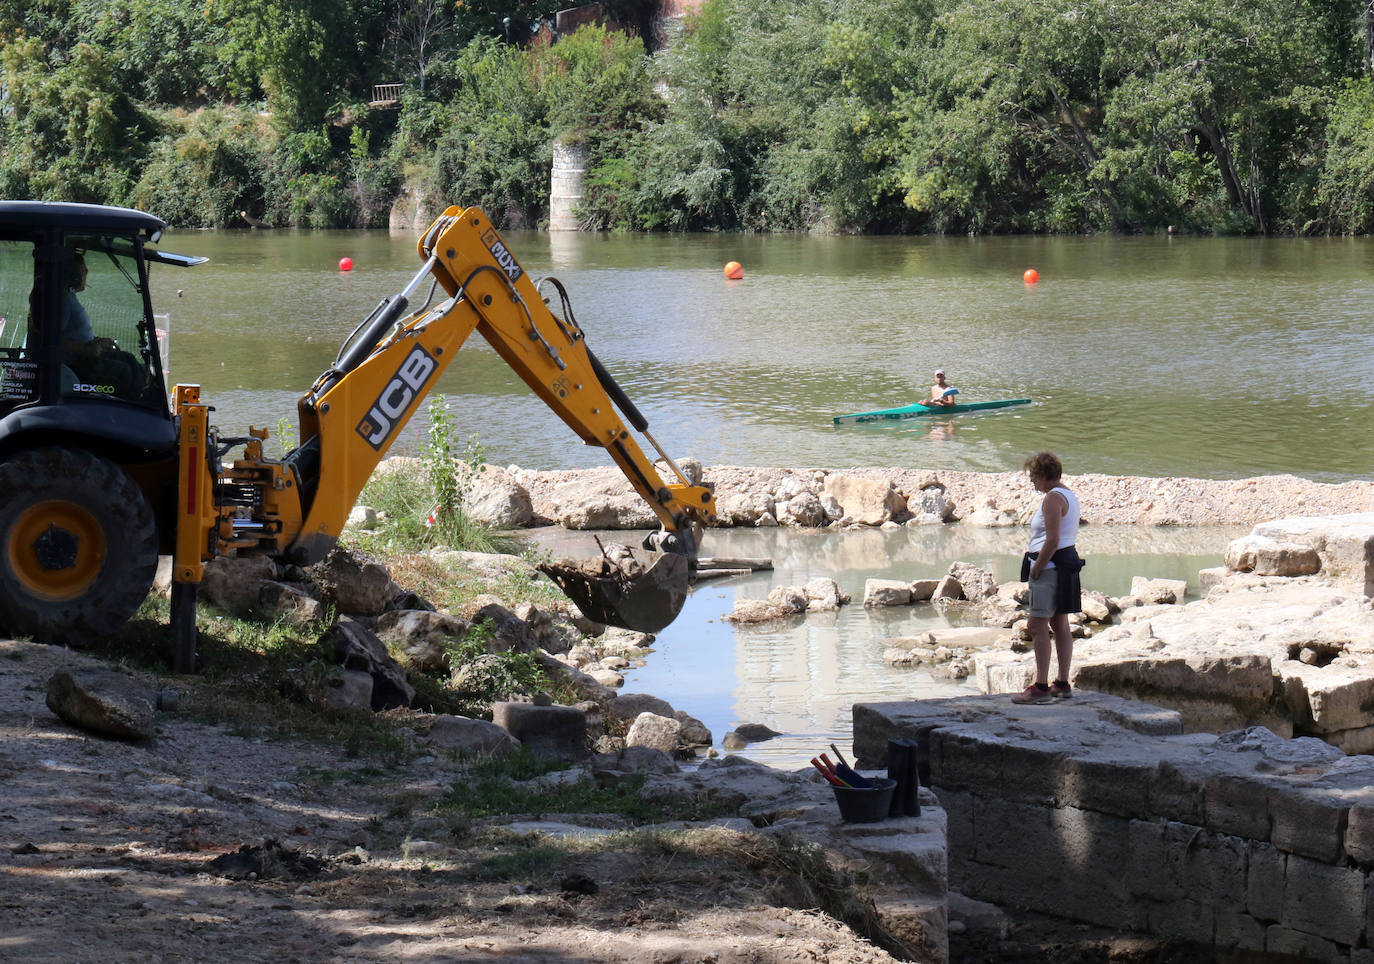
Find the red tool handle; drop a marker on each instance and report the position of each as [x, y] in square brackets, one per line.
[828, 774]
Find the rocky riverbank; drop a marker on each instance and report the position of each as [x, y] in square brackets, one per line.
[376, 855]
[602, 499]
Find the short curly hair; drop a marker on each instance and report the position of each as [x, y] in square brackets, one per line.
[1045, 465]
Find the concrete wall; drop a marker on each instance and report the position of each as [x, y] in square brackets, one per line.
[1096, 812]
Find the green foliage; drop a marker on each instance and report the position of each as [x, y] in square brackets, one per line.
[1345, 193]
[482, 675]
[406, 500]
[451, 474]
[502, 787]
[212, 166]
[830, 115]
[1105, 109]
[496, 150]
[70, 132]
[166, 51]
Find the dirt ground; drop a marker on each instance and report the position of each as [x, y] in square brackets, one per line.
[118, 851]
[208, 843]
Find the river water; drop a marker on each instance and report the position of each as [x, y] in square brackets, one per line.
[1213, 358]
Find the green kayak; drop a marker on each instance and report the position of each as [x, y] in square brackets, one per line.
[918, 410]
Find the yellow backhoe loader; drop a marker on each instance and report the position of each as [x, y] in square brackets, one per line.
[99, 473]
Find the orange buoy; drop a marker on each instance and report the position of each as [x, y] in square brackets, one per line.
[345, 264]
[1031, 276]
[734, 270]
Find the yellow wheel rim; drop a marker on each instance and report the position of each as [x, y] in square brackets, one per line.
[56, 550]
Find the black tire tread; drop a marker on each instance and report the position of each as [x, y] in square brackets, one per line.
[131, 537]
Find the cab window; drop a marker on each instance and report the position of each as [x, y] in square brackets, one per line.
[104, 346]
[18, 374]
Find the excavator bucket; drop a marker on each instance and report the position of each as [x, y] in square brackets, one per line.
[623, 592]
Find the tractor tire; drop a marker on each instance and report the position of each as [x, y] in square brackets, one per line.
[78, 546]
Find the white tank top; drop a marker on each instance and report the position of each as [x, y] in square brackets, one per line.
[1068, 528]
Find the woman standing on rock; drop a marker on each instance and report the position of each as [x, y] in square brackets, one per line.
[1051, 566]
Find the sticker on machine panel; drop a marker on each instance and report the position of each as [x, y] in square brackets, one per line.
[391, 405]
[18, 381]
[502, 254]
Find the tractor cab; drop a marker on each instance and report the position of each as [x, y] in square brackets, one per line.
[77, 331]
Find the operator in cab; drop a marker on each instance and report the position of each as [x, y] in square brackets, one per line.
[90, 359]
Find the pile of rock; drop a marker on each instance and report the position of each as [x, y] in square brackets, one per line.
[601, 498]
[382, 634]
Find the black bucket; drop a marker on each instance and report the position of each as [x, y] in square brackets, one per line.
[865, 804]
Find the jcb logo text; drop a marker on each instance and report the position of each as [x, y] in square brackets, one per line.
[381, 418]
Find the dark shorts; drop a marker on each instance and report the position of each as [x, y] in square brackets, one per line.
[1066, 596]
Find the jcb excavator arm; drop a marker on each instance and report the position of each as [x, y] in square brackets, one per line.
[295, 508]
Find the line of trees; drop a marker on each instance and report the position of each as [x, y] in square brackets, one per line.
[1213, 116]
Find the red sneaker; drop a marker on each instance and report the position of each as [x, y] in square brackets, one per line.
[1036, 693]
[1061, 690]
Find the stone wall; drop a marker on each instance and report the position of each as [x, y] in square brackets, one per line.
[1102, 810]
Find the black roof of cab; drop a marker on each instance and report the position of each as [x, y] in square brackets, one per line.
[89, 216]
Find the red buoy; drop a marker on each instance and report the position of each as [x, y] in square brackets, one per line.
[1031, 276]
[345, 264]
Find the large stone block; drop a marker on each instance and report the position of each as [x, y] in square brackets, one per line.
[867, 501]
[1264, 878]
[1338, 695]
[1269, 557]
[1086, 848]
[1359, 740]
[1237, 805]
[1308, 821]
[1242, 678]
[1299, 945]
[1003, 671]
[1147, 871]
[1344, 543]
[962, 760]
[1359, 834]
[958, 808]
[556, 731]
[1183, 919]
[1210, 867]
[1237, 931]
[1108, 785]
[918, 858]
[887, 592]
[1324, 900]
[1177, 792]
[1017, 837]
[1032, 770]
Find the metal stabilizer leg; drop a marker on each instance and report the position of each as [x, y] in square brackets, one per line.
[183, 627]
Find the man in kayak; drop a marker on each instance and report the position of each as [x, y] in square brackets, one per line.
[941, 393]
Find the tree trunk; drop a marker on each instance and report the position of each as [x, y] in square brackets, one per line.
[1225, 165]
[1369, 36]
[1087, 156]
